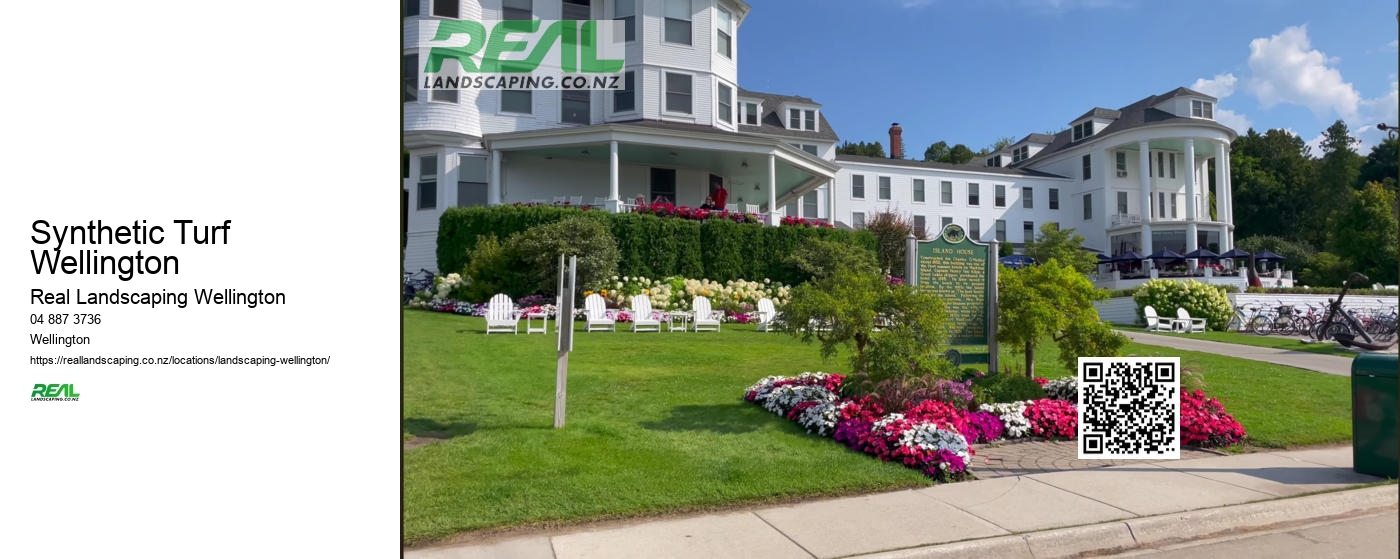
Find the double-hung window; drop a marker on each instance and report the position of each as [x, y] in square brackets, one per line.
[724, 33]
[678, 93]
[918, 190]
[1086, 166]
[677, 22]
[858, 187]
[945, 194]
[1000, 199]
[974, 194]
[625, 99]
[1054, 198]
[427, 182]
[1027, 197]
[1201, 109]
[1001, 230]
[626, 12]
[884, 192]
[974, 229]
[1088, 206]
[1120, 160]
[726, 104]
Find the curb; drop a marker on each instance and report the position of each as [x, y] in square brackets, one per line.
[1160, 530]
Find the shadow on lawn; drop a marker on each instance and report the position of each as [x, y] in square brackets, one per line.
[427, 431]
[718, 418]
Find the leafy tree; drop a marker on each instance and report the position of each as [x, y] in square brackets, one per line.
[1005, 250]
[841, 310]
[1064, 245]
[1337, 172]
[1365, 233]
[873, 149]
[959, 154]
[936, 152]
[1325, 269]
[996, 146]
[1382, 165]
[892, 240]
[1054, 301]
[1270, 174]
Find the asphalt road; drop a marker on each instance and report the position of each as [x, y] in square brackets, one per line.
[1373, 536]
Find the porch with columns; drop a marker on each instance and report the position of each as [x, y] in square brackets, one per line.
[1151, 219]
[600, 162]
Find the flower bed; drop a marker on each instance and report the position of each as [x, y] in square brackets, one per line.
[935, 436]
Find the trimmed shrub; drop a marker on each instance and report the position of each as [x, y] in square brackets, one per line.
[651, 246]
[1200, 299]
[539, 248]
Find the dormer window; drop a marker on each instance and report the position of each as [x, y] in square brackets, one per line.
[749, 113]
[1202, 109]
[1019, 154]
[994, 161]
[1083, 130]
[802, 119]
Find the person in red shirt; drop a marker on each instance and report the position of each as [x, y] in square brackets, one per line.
[720, 195]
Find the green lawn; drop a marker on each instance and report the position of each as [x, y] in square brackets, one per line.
[656, 423]
[1291, 343]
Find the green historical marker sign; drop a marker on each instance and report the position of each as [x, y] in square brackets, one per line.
[962, 272]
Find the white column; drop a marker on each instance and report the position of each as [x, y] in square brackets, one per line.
[773, 218]
[493, 188]
[831, 202]
[1229, 193]
[1222, 174]
[1190, 200]
[614, 203]
[800, 210]
[1145, 182]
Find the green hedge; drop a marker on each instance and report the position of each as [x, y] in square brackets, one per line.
[1330, 291]
[651, 246]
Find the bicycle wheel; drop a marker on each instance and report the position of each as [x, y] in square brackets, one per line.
[1303, 325]
[1337, 328]
[1260, 325]
[1285, 326]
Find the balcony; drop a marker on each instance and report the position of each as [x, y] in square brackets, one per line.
[1125, 219]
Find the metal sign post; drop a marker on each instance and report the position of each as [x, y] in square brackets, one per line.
[993, 266]
[564, 326]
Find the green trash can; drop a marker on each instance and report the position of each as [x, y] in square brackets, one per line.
[1375, 415]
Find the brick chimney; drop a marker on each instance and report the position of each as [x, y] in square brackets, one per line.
[896, 141]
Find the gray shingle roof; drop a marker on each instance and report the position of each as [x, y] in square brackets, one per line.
[1136, 115]
[1035, 139]
[1099, 112]
[771, 123]
[970, 167]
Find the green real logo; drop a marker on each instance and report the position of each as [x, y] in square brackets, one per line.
[54, 393]
[522, 54]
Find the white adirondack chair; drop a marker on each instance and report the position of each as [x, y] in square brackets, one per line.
[705, 318]
[501, 316]
[750, 208]
[766, 315]
[1187, 324]
[642, 321]
[600, 201]
[1155, 324]
[597, 310]
[576, 201]
[559, 200]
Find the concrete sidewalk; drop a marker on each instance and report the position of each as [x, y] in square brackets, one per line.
[1330, 364]
[1055, 514]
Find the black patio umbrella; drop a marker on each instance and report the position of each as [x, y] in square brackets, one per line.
[1202, 254]
[1165, 254]
[1267, 255]
[1130, 256]
[1235, 253]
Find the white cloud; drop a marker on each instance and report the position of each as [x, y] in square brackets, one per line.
[1316, 145]
[1219, 87]
[1393, 45]
[1234, 120]
[1286, 69]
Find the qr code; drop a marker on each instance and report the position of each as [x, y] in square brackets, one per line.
[1129, 408]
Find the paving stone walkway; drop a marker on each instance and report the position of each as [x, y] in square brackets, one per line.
[1036, 457]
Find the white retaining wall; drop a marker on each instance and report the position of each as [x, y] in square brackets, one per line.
[1123, 310]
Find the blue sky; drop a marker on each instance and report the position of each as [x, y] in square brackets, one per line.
[973, 71]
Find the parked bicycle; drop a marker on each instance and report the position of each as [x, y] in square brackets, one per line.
[415, 282]
[1247, 318]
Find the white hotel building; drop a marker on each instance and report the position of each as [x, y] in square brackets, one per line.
[1153, 174]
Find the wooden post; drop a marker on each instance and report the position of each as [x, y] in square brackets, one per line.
[565, 328]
